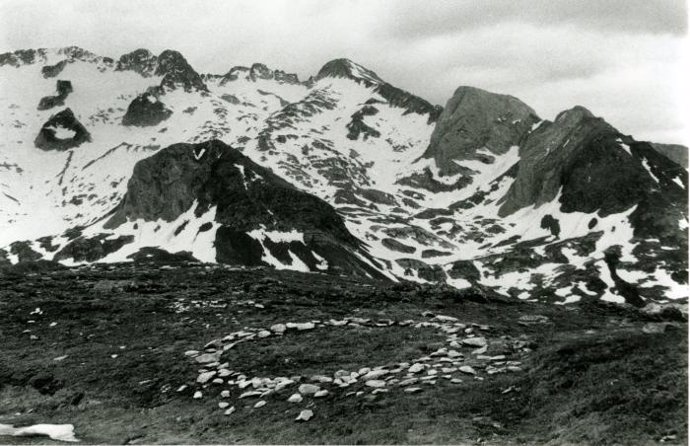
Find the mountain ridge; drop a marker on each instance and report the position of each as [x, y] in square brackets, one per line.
[480, 193]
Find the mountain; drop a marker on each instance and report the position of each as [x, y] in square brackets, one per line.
[143, 158]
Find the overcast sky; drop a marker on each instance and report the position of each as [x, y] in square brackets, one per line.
[625, 60]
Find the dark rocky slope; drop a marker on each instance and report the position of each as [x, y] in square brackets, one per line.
[246, 197]
[474, 119]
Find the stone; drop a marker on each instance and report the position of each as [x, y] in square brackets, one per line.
[259, 404]
[467, 369]
[198, 395]
[225, 394]
[442, 318]
[305, 415]
[308, 389]
[208, 357]
[224, 373]
[321, 393]
[374, 374]
[223, 405]
[229, 411]
[250, 394]
[205, 377]
[376, 383]
[295, 398]
[264, 334]
[301, 326]
[278, 328]
[416, 368]
[412, 389]
[191, 353]
[475, 342]
[408, 382]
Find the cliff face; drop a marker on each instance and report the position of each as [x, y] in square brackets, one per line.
[475, 125]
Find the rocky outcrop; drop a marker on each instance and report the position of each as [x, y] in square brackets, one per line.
[61, 132]
[141, 61]
[146, 110]
[64, 88]
[586, 159]
[246, 197]
[259, 71]
[476, 124]
[22, 57]
[49, 71]
[177, 73]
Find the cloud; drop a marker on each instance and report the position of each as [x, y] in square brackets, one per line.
[410, 19]
[623, 59]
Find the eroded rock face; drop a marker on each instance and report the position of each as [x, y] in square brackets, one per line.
[475, 122]
[146, 110]
[62, 131]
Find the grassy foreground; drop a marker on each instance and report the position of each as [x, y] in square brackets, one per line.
[105, 351]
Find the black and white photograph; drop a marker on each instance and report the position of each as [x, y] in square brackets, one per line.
[373, 222]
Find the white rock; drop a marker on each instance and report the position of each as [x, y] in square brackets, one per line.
[305, 415]
[442, 318]
[264, 334]
[223, 405]
[278, 328]
[225, 394]
[205, 377]
[416, 368]
[230, 411]
[295, 398]
[259, 404]
[467, 369]
[198, 395]
[475, 342]
[321, 393]
[308, 389]
[374, 374]
[224, 373]
[301, 326]
[376, 383]
[413, 389]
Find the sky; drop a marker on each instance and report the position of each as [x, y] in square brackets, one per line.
[625, 60]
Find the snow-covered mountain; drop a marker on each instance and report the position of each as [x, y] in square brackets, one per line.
[142, 157]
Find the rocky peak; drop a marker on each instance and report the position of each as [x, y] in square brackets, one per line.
[141, 61]
[345, 68]
[176, 71]
[586, 160]
[260, 71]
[475, 120]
